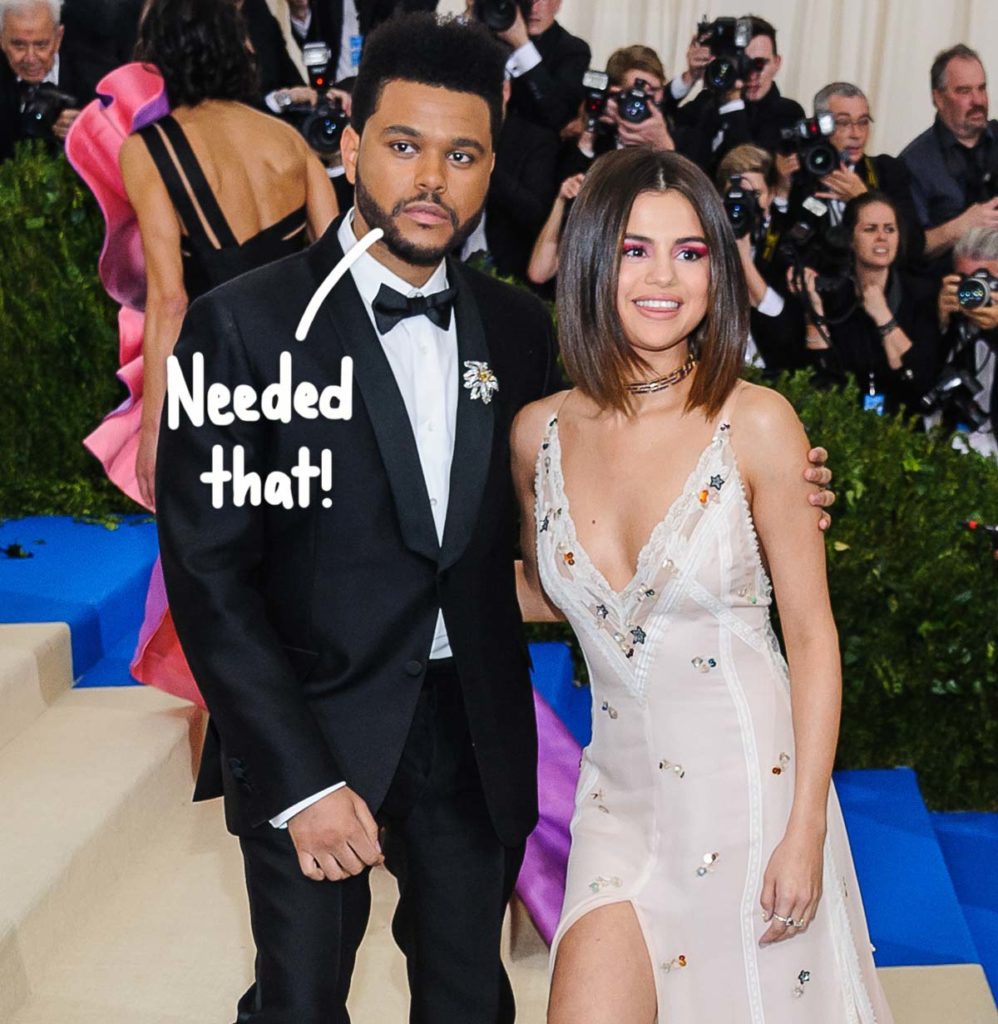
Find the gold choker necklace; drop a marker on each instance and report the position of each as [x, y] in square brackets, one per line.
[646, 387]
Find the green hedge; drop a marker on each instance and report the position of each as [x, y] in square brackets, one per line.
[58, 342]
[915, 593]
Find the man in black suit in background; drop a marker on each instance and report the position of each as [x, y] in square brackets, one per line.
[546, 66]
[365, 662]
[35, 60]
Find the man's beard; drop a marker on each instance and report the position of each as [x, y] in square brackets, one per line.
[400, 247]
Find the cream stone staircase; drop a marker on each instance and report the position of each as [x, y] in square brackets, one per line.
[121, 902]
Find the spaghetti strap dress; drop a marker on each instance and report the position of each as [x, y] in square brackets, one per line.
[686, 786]
[211, 255]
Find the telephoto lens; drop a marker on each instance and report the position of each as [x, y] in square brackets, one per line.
[499, 15]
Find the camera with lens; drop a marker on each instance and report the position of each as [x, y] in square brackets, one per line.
[977, 290]
[809, 140]
[499, 15]
[42, 110]
[813, 241]
[321, 125]
[727, 39]
[741, 204]
[955, 389]
[634, 104]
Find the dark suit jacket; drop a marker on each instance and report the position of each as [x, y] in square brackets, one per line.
[76, 77]
[760, 123]
[550, 94]
[521, 191]
[327, 18]
[308, 630]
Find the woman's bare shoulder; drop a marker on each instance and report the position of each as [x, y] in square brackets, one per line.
[531, 422]
[760, 413]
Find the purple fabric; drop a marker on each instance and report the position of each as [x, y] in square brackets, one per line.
[541, 885]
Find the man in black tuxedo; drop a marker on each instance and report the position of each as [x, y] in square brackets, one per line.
[35, 59]
[365, 662]
[754, 111]
[546, 66]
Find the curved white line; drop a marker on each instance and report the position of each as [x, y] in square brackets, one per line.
[350, 257]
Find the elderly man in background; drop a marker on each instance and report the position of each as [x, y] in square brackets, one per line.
[35, 69]
[954, 163]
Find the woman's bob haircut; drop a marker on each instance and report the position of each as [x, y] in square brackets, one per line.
[598, 356]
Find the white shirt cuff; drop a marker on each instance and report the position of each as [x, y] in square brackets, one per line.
[523, 60]
[731, 106]
[771, 304]
[282, 819]
[271, 100]
[586, 151]
[782, 203]
[679, 88]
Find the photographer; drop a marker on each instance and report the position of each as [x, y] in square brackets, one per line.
[42, 87]
[750, 110]
[747, 178]
[856, 172]
[969, 319]
[635, 77]
[546, 65]
[877, 323]
[954, 163]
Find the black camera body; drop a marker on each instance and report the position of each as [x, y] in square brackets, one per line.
[809, 140]
[977, 290]
[321, 125]
[727, 39]
[499, 15]
[42, 110]
[741, 204]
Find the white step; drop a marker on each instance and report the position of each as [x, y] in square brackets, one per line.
[83, 790]
[36, 668]
[171, 945]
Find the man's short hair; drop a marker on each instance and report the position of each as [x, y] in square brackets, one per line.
[761, 27]
[22, 6]
[420, 47]
[746, 159]
[979, 245]
[937, 75]
[846, 90]
[634, 58]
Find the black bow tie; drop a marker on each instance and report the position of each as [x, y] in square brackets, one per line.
[391, 306]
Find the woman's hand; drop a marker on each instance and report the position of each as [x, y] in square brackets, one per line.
[791, 886]
[875, 303]
[810, 287]
[570, 187]
[145, 465]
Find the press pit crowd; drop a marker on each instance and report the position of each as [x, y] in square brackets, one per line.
[870, 265]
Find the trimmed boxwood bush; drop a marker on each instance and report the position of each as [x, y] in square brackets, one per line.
[58, 342]
[915, 592]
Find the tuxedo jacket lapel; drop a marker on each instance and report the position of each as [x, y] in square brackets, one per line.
[473, 433]
[343, 313]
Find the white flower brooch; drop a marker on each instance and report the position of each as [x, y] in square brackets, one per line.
[480, 380]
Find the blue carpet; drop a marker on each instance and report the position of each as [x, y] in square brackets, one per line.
[87, 575]
[969, 842]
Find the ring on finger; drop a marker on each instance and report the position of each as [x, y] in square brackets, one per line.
[788, 921]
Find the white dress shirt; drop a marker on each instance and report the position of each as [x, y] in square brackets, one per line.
[423, 360]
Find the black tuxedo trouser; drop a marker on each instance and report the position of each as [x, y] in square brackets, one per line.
[454, 879]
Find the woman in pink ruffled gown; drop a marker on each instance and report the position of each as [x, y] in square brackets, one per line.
[208, 188]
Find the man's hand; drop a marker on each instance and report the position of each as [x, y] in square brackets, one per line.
[787, 165]
[843, 184]
[570, 187]
[652, 132]
[63, 123]
[302, 94]
[516, 35]
[698, 56]
[335, 837]
[981, 215]
[345, 98]
[947, 303]
[818, 473]
[986, 317]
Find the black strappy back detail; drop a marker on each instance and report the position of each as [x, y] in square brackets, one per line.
[211, 261]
